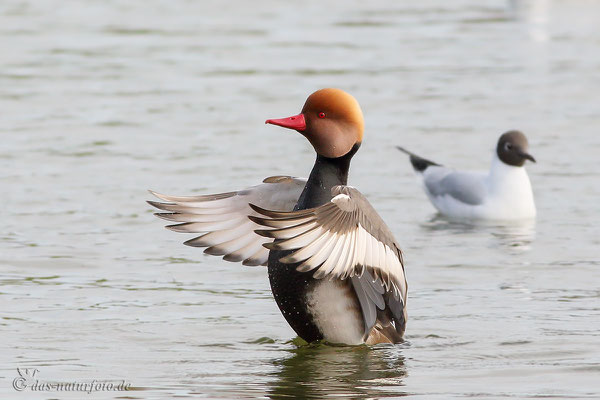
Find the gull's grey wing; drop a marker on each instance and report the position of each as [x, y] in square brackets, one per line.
[223, 218]
[466, 187]
[342, 239]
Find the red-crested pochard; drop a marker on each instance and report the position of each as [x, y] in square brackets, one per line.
[335, 269]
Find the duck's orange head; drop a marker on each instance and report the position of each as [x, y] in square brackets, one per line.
[331, 120]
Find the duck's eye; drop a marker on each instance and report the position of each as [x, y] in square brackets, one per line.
[321, 115]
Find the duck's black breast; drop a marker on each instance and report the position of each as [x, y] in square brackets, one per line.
[290, 287]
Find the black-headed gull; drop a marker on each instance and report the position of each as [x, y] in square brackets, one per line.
[504, 192]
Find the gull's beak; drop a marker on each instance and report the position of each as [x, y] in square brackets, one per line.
[526, 155]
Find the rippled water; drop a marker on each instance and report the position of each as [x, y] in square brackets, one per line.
[100, 101]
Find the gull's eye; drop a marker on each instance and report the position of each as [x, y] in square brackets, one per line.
[508, 146]
[321, 115]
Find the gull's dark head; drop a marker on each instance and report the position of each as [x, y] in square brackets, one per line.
[513, 149]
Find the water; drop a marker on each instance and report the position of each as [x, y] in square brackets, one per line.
[100, 101]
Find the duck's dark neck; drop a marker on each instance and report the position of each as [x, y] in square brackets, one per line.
[326, 173]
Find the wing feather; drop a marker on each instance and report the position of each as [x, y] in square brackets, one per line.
[335, 255]
[296, 232]
[245, 252]
[225, 219]
[374, 289]
[366, 304]
[185, 208]
[314, 243]
[259, 258]
[369, 246]
[320, 256]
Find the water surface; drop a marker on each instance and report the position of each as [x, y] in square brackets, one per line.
[102, 100]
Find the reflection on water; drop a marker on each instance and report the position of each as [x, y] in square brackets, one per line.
[319, 371]
[518, 235]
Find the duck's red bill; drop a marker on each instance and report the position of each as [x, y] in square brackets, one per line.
[296, 122]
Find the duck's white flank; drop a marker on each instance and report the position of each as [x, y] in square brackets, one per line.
[336, 312]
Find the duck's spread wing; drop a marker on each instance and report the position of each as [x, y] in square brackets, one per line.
[345, 239]
[223, 218]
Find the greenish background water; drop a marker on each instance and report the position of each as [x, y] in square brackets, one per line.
[100, 101]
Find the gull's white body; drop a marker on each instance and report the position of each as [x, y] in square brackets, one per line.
[502, 193]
